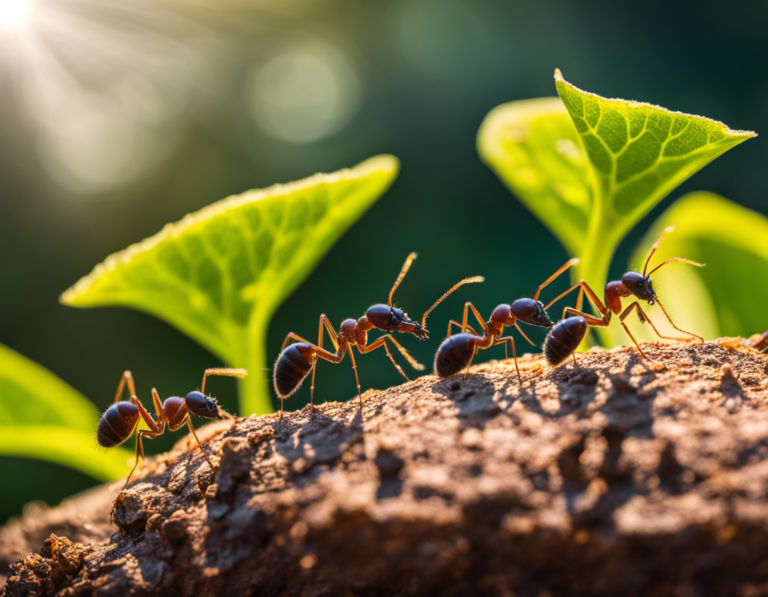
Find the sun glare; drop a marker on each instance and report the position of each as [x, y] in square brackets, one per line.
[13, 13]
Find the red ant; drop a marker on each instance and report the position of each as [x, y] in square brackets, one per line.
[761, 343]
[457, 351]
[568, 333]
[758, 342]
[297, 360]
[119, 421]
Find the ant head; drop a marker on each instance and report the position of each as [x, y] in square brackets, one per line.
[531, 312]
[503, 315]
[641, 287]
[201, 405]
[392, 319]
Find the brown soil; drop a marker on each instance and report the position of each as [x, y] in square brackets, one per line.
[615, 476]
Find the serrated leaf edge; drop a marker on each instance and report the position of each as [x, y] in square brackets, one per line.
[380, 163]
[733, 133]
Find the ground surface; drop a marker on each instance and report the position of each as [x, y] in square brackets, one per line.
[615, 476]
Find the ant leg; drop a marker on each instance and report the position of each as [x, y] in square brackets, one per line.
[223, 371]
[140, 435]
[197, 439]
[591, 320]
[292, 336]
[155, 426]
[383, 342]
[126, 377]
[511, 340]
[403, 271]
[626, 329]
[474, 352]
[318, 353]
[357, 379]
[591, 296]
[411, 361]
[324, 321]
[522, 333]
[457, 324]
[644, 318]
[569, 263]
[673, 323]
[311, 387]
[477, 316]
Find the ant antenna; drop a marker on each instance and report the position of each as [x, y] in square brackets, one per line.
[681, 260]
[654, 247]
[671, 259]
[225, 371]
[574, 261]
[471, 280]
[406, 267]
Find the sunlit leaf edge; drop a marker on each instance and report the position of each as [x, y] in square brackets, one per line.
[490, 148]
[620, 226]
[78, 295]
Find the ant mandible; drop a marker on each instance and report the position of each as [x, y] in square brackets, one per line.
[297, 360]
[457, 351]
[566, 336]
[122, 418]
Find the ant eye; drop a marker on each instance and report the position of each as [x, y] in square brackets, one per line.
[640, 284]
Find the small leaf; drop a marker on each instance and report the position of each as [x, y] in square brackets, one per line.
[590, 181]
[534, 148]
[42, 417]
[219, 274]
[32, 395]
[68, 447]
[638, 153]
[727, 297]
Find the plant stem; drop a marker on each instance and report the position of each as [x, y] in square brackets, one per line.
[594, 267]
[254, 389]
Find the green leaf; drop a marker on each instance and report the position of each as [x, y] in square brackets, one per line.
[591, 179]
[42, 417]
[727, 297]
[534, 148]
[32, 395]
[638, 153]
[68, 447]
[219, 274]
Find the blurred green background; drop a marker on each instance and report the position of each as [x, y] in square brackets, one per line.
[116, 118]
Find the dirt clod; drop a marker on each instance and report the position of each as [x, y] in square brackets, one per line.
[609, 476]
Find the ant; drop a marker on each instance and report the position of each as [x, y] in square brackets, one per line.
[122, 418]
[457, 351]
[761, 343]
[757, 341]
[297, 360]
[566, 336]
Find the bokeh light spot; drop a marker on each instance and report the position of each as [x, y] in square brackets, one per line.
[13, 13]
[307, 92]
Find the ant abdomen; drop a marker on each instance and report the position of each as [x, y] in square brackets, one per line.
[454, 354]
[564, 339]
[291, 368]
[117, 424]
